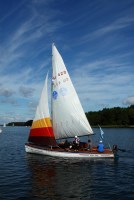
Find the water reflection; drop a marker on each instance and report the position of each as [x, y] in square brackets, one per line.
[43, 177]
[55, 178]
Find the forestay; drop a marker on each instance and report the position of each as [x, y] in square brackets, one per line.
[68, 116]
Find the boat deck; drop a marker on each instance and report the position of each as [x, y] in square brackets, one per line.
[81, 150]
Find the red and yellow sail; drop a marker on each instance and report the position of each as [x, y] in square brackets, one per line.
[41, 132]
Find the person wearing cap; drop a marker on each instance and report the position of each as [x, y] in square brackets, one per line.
[76, 143]
[100, 147]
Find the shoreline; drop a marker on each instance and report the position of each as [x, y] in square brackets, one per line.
[113, 126]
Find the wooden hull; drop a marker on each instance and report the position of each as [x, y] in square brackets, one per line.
[65, 153]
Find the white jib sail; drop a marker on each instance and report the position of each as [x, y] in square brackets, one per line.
[42, 110]
[68, 116]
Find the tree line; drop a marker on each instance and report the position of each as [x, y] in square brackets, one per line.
[27, 123]
[107, 117]
[112, 117]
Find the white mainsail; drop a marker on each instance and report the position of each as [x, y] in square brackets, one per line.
[68, 116]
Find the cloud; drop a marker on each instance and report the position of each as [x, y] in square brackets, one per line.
[11, 101]
[16, 7]
[129, 101]
[114, 26]
[108, 29]
[103, 82]
[26, 91]
[6, 92]
[11, 117]
[29, 38]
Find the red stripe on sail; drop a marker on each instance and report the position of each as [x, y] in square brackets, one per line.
[42, 136]
[45, 131]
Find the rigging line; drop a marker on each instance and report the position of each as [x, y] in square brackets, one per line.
[125, 150]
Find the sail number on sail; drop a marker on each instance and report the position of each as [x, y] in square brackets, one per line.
[59, 82]
[60, 74]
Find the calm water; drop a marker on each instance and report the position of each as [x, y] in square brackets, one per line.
[35, 177]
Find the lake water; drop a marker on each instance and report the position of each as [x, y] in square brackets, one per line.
[34, 177]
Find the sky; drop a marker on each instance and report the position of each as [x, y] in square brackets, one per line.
[94, 37]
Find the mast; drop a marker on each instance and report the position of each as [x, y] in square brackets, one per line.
[52, 86]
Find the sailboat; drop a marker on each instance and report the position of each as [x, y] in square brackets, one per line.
[4, 125]
[0, 130]
[67, 120]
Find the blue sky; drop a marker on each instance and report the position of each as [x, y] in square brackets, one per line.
[94, 37]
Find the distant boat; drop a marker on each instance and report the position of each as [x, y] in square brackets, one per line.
[4, 125]
[68, 118]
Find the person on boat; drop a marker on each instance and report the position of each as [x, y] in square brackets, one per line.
[100, 147]
[89, 143]
[76, 143]
[115, 148]
[66, 144]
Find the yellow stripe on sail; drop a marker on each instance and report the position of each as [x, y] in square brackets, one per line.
[45, 122]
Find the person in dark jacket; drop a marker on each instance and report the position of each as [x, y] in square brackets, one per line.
[76, 143]
[89, 145]
[100, 147]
